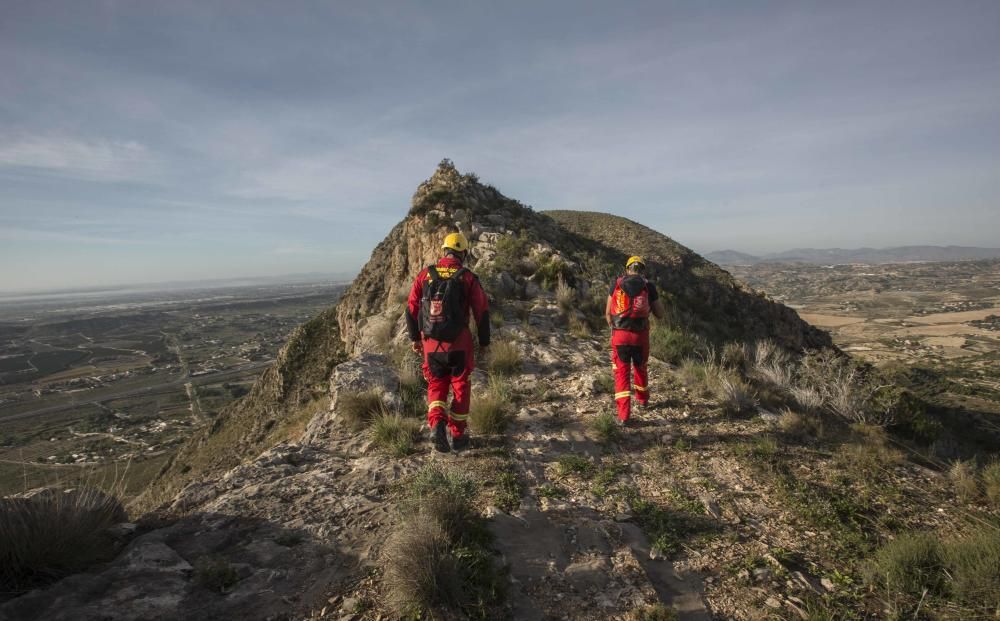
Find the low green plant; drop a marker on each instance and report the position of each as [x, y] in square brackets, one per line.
[551, 491]
[973, 564]
[604, 383]
[489, 414]
[605, 427]
[574, 463]
[289, 538]
[655, 612]
[670, 344]
[394, 434]
[214, 573]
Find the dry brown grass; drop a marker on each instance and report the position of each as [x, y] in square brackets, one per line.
[505, 358]
[359, 409]
[962, 475]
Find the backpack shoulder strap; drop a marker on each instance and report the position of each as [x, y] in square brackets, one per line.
[432, 273]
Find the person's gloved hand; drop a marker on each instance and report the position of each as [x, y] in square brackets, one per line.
[417, 347]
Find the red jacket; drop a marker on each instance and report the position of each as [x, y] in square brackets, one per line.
[476, 301]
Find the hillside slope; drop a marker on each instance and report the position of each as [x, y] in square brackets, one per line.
[701, 296]
[710, 504]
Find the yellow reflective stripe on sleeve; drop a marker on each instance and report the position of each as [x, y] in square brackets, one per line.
[437, 404]
[623, 394]
[458, 416]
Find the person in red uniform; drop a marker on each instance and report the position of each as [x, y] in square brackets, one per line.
[630, 301]
[437, 318]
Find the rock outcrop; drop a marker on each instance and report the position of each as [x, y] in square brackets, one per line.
[277, 510]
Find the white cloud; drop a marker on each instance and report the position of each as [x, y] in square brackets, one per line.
[97, 160]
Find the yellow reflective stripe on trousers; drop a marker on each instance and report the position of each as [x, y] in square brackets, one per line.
[639, 388]
[437, 404]
[623, 394]
[458, 416]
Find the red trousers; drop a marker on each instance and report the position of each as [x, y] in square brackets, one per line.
[448, 366]
[628, 350]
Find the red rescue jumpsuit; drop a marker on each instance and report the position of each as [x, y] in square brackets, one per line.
[449, 364]
[630, 349]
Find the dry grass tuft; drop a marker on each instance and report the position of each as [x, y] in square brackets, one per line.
[963, 480]
[655, 612]
[733, 394]
[437, 559]
[54, 533]
[359, 409]
[802, 426]
[565, 296]
[394, 434]
[991, 482]
[505, 358]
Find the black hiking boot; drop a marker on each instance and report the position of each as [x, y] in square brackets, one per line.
[461, 442]
[439, 437]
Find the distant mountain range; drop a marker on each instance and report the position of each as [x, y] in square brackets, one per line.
[898, 254]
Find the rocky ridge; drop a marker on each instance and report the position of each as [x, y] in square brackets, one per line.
[297, 529]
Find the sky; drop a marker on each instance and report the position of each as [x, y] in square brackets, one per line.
[151, 141]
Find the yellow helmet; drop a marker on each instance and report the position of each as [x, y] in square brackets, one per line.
[633, 261]
[456, 242]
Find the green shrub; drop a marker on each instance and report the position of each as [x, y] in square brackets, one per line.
[412, 392]
[909, 564]
[505, 358]
[574, 463]
[215, 573]
[656, 612]
[54, 533]
[550, 272]
[973, 563]
[604, 383]
[605, 426]
[394, 434]
[670, 344]
[512, 255]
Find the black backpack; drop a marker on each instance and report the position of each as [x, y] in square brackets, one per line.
[442, 306]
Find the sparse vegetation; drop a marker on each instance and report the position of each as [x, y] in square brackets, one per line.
[438, 559]
[655, 612]
[505, 357]
[215, 573]
[670, 344]
[359, 409]
[574, 463]
[963, 571]
[991, 482]
[733, 394]
[963, 480]
[565, 296]
[54, 533]
[394, 434]
[605, 427]
[490, 413]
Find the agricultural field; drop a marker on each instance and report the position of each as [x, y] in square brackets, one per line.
[939, 323]
[104, 388]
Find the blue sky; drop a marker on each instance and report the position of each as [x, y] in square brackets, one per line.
[152, 141]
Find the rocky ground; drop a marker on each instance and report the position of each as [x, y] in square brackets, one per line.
[687, 507]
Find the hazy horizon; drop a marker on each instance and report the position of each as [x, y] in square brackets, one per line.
[144, 142]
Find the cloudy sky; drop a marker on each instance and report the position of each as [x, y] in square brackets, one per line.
[153, 141]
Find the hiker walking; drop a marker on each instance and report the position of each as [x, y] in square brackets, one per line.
[630, 301]
[437, 318]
